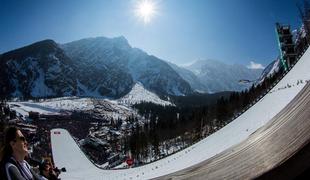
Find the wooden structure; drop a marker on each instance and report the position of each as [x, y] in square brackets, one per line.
[278, 150]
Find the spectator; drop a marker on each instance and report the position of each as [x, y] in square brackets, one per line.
[47, 171]
[12, 157]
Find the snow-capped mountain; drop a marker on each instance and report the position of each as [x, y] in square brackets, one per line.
[40, 69]
[190, 77]
[125, 65]
[97, 67]
[108, 67]
[217, 76]
[140, 94]
[272, 68]
[100, 61]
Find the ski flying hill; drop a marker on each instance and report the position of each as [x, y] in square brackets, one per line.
[261, 115]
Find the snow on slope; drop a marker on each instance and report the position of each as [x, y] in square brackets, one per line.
[108, 108]
[140, 94]
[52, 106]
[269, 70]
[79, 167]
[69, 104]
[23, 108]
[57, 106]
[112, 109]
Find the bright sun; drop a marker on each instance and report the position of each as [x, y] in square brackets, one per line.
[145, 10]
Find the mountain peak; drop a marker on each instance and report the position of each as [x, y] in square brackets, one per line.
[127, 62]
[44, 46]
[210, 61]
[46, 42]
[204, 62]
[121, 39]
[103, 38]
[219, 76]
[122, 42]
[99, 43]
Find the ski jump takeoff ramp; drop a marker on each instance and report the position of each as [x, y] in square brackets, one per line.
[261, 139]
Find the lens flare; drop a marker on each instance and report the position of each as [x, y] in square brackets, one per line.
[145, 10]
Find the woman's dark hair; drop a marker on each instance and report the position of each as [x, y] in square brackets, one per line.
[6, 149]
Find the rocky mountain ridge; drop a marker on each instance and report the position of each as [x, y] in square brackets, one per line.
[97, 67]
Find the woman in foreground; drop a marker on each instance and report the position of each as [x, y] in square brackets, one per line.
[12, 156]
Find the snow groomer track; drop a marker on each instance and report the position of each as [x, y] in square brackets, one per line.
[261, 139]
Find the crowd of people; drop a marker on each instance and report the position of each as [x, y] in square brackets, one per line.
[97, 155]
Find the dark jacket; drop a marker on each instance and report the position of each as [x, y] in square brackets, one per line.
[13, 170]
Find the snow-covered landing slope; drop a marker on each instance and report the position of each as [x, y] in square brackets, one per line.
[67, 154]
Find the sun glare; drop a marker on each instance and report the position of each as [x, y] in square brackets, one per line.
[145, 10]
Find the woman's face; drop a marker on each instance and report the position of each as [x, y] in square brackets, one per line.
[20, 144]
[47, 169]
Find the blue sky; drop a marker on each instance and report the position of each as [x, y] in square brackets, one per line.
[182, 31]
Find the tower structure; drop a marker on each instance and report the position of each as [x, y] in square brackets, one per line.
[303, 34]
[286, 45]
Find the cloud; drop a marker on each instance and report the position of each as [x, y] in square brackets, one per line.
[254, 65]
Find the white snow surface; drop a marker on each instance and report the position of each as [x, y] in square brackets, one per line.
[57, 105]
[69, 104]
[139, 94]
[39, 87]
[66, 152]
[52, 106]
[24, 109]
[64, 105]
[275, 67]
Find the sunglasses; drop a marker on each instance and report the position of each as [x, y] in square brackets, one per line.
[22, 138]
